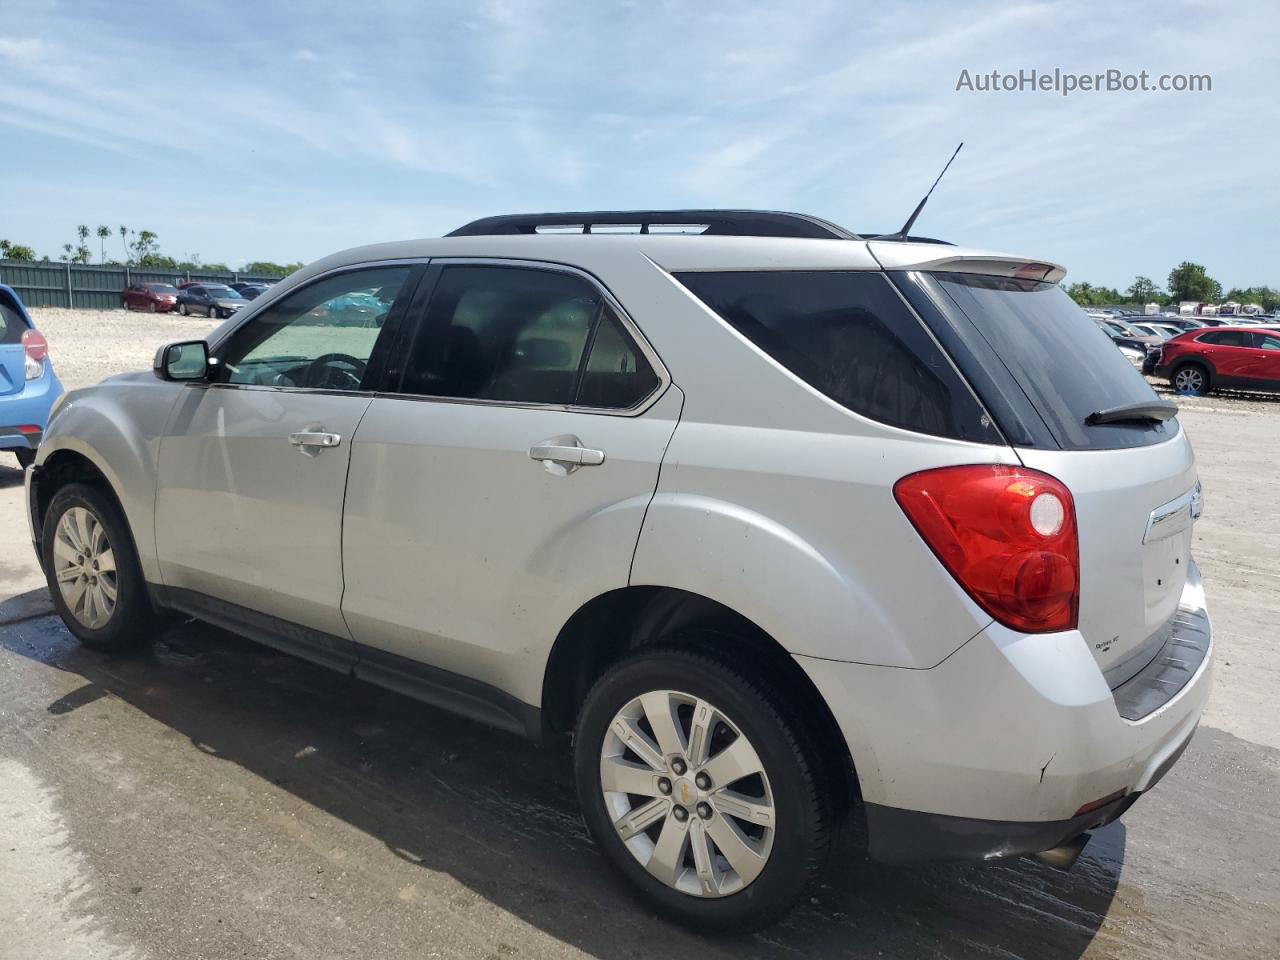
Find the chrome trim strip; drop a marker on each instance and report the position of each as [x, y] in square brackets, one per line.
[1163, 523]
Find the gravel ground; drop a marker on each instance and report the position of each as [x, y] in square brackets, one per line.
[212, 798]
[88, 345]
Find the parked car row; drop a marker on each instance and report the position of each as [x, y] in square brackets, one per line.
[193, 297]
[1198, 354]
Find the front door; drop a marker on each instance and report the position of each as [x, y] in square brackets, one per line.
[506, 481]
[253, 466]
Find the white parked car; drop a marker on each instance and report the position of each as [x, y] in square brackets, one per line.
[781, 524]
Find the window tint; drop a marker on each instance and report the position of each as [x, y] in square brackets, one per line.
[320, 336]
[849, 335]
[1033, 333]
[12, 326]
[617, 375]
[1226, 338]
[1266, 341]
[524, 336]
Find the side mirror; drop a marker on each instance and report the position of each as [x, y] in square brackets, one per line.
[183, 361]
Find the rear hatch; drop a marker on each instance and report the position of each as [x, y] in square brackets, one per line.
[1075, 408]
[12, 327]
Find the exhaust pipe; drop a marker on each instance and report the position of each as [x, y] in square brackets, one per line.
[1064, 857]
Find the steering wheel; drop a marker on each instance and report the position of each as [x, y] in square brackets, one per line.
[328, 371]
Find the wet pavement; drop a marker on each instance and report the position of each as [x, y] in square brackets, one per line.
[223, 800]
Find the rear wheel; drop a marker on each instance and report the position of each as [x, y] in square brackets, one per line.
[1191, 379]
[92, 570]
[702, 788]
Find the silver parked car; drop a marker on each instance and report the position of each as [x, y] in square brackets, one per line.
[778, 522]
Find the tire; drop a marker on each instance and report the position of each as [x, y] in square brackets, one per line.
[25, 458]
[215, 313]
[130, 620]
[714, 892]
[151, 306]
[1191, 379]
[125, 305]
[182, 309]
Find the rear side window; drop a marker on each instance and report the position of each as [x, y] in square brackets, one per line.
[12, 326]
[524, 336]
[1063, 367]
[1226, 338]
[850, 336]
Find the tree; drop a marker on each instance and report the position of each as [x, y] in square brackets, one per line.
[1190, 282]
[145, 244]
[267, 267]
[1144, 290]
[67, 248]
[16, 251]
[1087, 295]
[103, 234]
[123, 231]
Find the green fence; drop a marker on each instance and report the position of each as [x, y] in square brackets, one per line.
[80, 285]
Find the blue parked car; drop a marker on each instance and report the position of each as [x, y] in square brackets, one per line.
[28, 385]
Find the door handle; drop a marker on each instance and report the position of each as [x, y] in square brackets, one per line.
[563, 455]
[314, 439]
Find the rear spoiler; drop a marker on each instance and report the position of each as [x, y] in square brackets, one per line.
[897, 256]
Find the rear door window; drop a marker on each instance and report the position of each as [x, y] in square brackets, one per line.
[849, 335]
[1047, 358]
[1226, 338]
[523, 335]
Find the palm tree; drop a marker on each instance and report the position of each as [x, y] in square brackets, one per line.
[67, 248]
[123, 231]
[103, 234]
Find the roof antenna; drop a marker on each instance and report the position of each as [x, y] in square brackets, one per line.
[911, 220]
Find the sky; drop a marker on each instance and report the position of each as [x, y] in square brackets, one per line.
[285, 131]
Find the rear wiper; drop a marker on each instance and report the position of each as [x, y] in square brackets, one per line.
[1157, 410]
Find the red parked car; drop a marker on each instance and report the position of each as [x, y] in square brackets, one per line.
[152, 297]
[1243, 358]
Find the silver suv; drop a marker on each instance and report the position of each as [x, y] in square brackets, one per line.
[777, 522]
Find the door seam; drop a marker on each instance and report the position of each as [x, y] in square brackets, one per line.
[657, 483]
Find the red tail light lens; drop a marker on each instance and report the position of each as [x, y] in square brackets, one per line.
[1008, 536]
[35, 345]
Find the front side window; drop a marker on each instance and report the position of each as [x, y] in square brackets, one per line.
[527, 336]
[319, 337]
[849, 335]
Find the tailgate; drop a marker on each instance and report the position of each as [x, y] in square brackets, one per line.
[1134, 515]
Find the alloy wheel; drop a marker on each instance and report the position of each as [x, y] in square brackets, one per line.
[687, 793]
[1189, 380]
[85, 567]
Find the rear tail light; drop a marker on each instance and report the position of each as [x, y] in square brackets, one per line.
[35, 349]
[1007, 535]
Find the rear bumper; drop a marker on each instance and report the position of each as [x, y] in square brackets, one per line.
[994, 751]
[11, 439]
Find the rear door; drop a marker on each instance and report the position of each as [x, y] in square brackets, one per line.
[1231, 353]
[505, 480]
[1042, 369]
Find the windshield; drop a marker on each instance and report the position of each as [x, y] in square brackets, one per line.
[1049, 363]
[162, 288]
[223, 293]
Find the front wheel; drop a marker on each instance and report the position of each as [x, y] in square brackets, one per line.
[182, 310]
[93, 573]
[703, 789]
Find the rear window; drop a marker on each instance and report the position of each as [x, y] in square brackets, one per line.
[850, 336]
[1060, 362]
[12, 326]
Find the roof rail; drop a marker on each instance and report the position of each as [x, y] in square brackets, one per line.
[720, 223]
